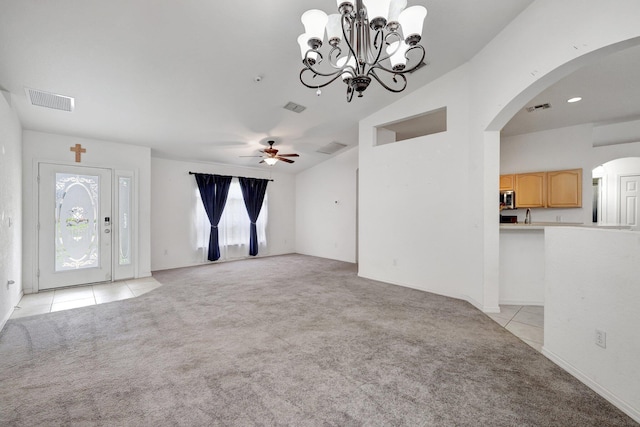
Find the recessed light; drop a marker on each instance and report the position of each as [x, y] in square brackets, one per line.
[576, 99]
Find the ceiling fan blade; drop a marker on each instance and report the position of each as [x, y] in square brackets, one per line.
[289, 155]
[283, 159]
[250, 156]
[261, 161]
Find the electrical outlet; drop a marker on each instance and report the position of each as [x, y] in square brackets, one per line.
[601, 338]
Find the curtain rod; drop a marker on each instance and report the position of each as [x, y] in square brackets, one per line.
[193, 173]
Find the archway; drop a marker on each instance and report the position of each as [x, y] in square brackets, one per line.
[491, 143]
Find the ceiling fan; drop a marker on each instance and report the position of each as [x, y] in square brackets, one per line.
[271, 155]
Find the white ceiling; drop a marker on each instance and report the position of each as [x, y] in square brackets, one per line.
[610, 91]
[178, 76]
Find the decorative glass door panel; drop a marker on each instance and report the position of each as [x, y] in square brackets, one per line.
[74, 237]
[124, 219]
[77, 236]
[124, 236]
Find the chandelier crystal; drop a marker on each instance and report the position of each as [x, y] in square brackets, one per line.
[368, 39]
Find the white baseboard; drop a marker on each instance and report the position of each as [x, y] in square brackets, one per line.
[490, 309]
[473, 302]
[593, 385]
[419, 288]
[521, 302]
[10, 313]
[4, 321]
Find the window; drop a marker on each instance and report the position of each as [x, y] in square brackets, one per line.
[233, 229]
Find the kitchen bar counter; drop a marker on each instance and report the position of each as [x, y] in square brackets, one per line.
[543, 225]
[522, 259]
[537, 225]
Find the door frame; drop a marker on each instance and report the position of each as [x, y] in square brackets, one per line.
[619, 195]
[117, 272]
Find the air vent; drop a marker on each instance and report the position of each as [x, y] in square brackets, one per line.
[296, 108]
[50, 100]
[538, 107]
[331, 148]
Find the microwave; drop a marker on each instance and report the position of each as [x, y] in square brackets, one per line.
[507, 200]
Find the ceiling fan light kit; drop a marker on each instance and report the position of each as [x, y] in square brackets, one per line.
[371, 39]
[271, 155]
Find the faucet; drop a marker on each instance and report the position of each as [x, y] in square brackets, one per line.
[527, 217]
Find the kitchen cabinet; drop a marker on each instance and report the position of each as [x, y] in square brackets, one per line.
[507, 182]
[553, 189]
[531, 190]
[564, 189]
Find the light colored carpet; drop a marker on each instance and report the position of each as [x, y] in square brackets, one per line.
[288, 340]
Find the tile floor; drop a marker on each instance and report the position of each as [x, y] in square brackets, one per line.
[524, 321]
[82, 296]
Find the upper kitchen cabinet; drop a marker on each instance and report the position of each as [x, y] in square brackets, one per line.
[507, 182]
[531, 190]
[564, 189]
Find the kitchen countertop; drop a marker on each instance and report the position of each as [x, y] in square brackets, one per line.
[543, 225]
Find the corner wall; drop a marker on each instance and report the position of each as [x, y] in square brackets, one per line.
[10, 209]
[326, 208]
[173, 199]
[415, 224]
[506, 74]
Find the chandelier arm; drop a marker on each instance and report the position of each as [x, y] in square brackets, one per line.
[350, 93]
[379, 48]
[317, 86]
[335, 53]
[347, 39]
[372, 73]
[406, 70]
[388, 43]
[406, 55]
[393, 34]
[309, 65]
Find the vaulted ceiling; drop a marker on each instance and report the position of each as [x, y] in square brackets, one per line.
[610, 92]
[180, 76]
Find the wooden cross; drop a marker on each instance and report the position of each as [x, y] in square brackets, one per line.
[78, 150]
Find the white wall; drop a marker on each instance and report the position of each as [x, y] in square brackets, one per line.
[564, 148]
[414, 219]
[506, 74]
[592, 282]
[522, 269]
[10, 209]
[326, 208]
[616, 133]
[47, 147]
[173, 198]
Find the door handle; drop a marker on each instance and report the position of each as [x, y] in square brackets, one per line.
[107, 230]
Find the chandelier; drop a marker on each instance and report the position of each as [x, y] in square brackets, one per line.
[371, 39]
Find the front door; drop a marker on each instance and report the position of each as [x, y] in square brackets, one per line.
[629, 200]
[74, 237]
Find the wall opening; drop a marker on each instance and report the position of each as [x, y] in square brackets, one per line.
[434, 121]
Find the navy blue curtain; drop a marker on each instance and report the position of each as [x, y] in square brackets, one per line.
[213, 192]
[253, 191]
